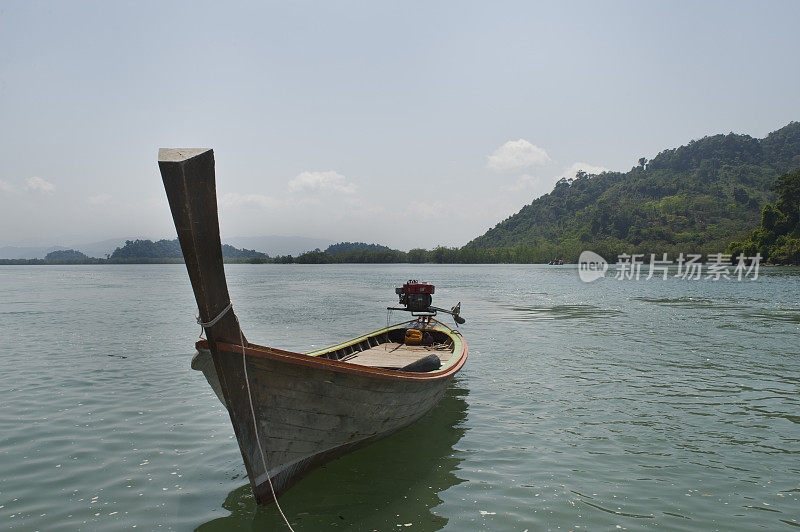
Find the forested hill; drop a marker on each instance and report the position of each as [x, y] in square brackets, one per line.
[147, 250]
[697, 197]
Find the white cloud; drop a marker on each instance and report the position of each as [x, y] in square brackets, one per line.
[328, 181]
[232, 199]
[98, 199]
[586, 167]
[523, 182]
[424, 210]
[5, 186]
[517, 154]
[37, 184]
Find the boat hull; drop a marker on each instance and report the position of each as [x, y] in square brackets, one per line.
[292, 411]
[311, 410]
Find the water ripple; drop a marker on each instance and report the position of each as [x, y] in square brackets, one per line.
[611, 404]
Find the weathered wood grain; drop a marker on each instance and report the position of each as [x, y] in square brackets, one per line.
[393, 355]
[189, 181]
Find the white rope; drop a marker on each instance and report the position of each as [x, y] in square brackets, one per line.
[213, 322]
[255, 423]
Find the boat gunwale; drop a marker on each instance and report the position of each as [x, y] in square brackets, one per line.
[316, 360]
[439, 326]
[346, 343]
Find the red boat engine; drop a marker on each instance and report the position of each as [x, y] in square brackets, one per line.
[416, 296]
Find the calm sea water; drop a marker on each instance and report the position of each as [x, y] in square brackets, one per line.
[617, 404]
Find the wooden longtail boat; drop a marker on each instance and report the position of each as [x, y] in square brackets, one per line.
[292, 412]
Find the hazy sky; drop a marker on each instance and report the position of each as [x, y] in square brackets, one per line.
[408, 124]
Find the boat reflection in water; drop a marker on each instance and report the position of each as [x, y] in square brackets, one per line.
[394, 481]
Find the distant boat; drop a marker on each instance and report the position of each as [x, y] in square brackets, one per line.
[292, 412]
[556, 262]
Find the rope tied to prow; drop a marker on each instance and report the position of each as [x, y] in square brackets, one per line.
[213, 322]
[250, 399]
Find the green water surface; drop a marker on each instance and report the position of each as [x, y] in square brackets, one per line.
[629, 404]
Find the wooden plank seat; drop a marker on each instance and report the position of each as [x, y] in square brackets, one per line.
[393, 355]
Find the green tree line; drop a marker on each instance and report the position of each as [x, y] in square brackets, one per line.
[777, 239]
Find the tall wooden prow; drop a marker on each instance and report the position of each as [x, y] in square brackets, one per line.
[189, 181]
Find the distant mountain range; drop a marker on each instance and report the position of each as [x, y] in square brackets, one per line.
[27, 252]
[272, 245]
[696, 198]
[135, 250]
[92, 249]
